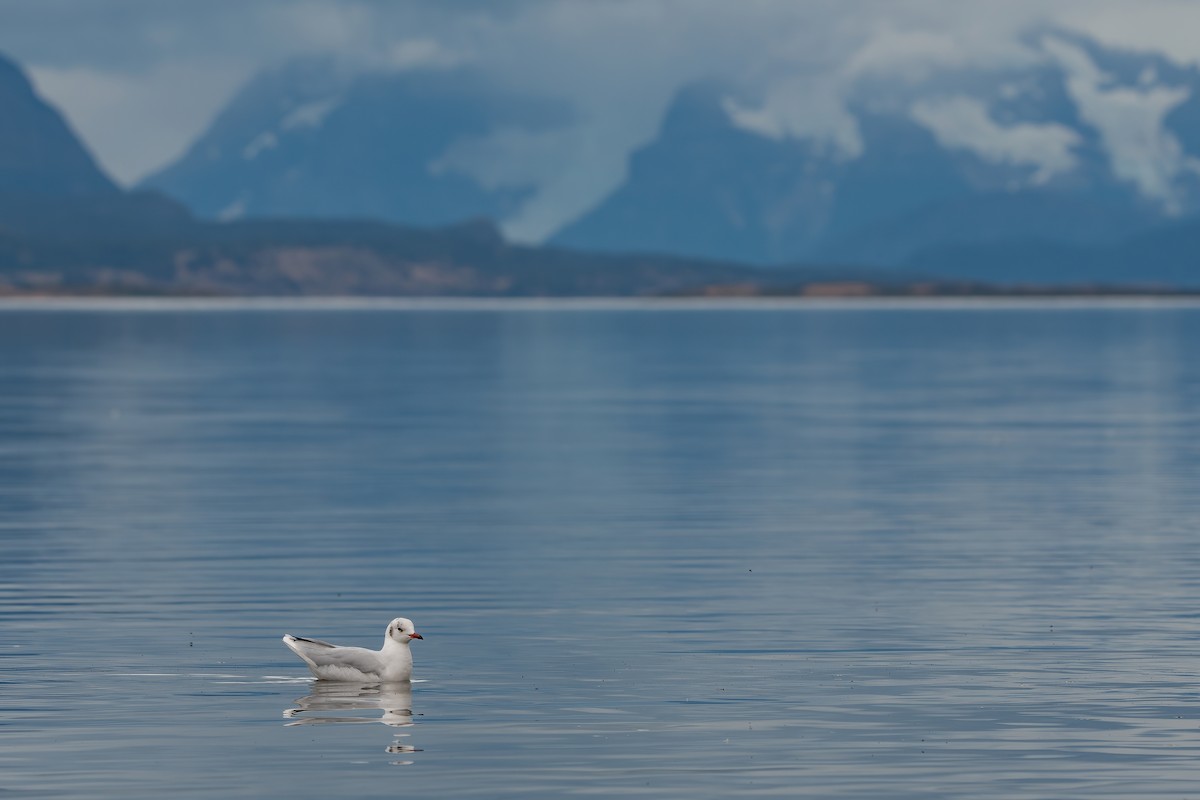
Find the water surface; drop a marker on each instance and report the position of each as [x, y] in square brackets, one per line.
[829, 551]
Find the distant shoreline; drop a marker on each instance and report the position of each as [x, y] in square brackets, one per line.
[170, 303]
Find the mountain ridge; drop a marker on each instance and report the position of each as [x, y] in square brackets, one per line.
[1076, 142]
[50, 185]
[39, 153]
[973, 157]
[307, 139]
[77, 231]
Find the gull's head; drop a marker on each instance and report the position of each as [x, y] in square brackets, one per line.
[402, 630]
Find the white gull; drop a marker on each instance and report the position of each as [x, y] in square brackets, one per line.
[330, 662]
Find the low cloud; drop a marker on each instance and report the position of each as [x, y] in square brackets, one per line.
[964, 123]
[1130, 120]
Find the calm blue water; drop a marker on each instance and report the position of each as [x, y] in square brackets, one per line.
[864, 552]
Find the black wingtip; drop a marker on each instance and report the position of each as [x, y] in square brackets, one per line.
[311, 641]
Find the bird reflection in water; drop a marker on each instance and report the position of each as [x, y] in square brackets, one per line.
[330, 700]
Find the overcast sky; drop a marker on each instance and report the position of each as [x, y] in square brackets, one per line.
[139, 79]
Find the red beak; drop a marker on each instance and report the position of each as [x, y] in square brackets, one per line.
[415, 636]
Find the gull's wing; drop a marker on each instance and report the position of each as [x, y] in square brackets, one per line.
[359, 658]
[336, 663]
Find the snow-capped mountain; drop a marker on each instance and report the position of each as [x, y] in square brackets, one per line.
[1068, 141]
[1076, 143]
[311, 139]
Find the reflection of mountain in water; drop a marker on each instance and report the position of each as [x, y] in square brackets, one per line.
[337, 703]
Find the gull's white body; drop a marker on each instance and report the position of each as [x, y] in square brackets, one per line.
[330, 662]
